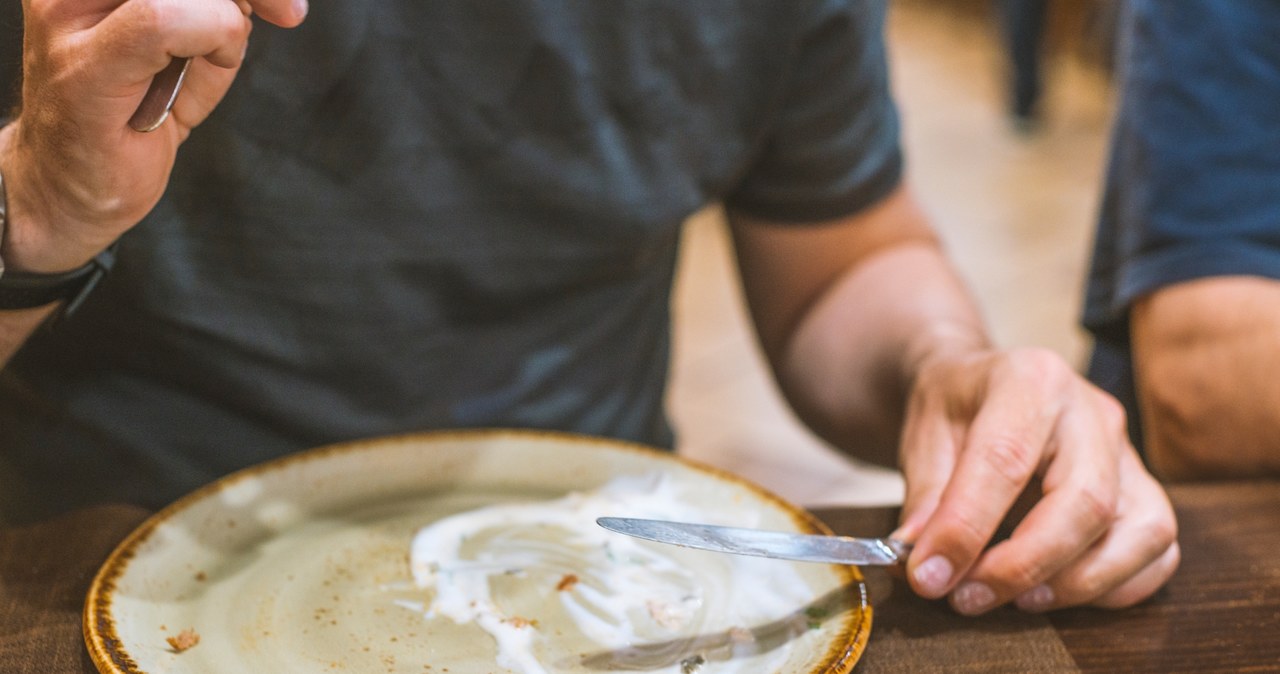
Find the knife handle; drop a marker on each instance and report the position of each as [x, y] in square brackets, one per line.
[900, 548]
[158, 100]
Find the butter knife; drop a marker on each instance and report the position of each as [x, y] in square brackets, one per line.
[759, 543]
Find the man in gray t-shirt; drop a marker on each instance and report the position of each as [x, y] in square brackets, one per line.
[406, 215]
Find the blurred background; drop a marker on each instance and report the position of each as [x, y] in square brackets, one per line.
[1013, 193]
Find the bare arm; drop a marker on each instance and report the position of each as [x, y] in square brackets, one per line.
[1208, 379]
[828, 315]
[879, 347]
[75, 174]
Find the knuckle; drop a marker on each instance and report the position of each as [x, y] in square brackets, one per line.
[1161, 533]
[1040, 375]
[1039, 364]
[150, 18]
[1112, 412]
[1157, 525]
[1172, 558]
[1087, 586]
[235, 26]
[966, 536]
[1012, 459]
[1099, 506]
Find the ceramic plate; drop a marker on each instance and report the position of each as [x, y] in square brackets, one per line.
[307, 564]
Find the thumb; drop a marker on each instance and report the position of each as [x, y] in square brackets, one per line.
[928, 459]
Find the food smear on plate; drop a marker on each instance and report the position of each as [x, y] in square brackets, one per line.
[557, 592]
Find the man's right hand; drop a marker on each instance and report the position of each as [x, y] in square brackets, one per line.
[77, 176]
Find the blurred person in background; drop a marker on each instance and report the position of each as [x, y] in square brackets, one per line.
[1022, 25]
[407, 215]
[1184, 292]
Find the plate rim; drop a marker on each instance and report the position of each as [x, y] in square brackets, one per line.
[106, 648]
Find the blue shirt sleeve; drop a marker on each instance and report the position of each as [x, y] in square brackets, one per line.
[1193, 187]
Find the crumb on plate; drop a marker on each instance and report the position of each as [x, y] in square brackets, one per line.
[186, 639]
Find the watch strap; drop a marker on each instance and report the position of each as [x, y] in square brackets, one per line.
[20, 290]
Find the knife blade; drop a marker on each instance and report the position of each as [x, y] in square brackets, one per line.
[760, 543]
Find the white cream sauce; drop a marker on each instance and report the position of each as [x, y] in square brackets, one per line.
[617, 591]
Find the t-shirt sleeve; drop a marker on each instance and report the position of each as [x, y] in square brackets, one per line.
[832, 148]
[1193, 186]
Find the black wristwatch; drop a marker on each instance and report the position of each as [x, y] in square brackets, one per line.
[21, 290]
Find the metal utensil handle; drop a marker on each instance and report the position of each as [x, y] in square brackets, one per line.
[900, 548]
[158, 100]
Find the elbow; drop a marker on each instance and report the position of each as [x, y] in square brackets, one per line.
[1191, 431]
[1208, 389]
[1174, 436]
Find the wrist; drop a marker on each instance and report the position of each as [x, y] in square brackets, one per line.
[30, 241]
[941, 341]
[21, 290]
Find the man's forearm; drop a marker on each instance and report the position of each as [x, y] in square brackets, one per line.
[847, 309]
[852, 359]
[1207, 378]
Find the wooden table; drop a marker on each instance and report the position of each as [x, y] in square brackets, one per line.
[1220, 613]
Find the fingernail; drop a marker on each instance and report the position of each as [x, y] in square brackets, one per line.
[973, 598]
[300, 6]
[933, 575]
[1038, 598]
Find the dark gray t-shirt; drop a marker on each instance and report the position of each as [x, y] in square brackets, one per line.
[420, 215]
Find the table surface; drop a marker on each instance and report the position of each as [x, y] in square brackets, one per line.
[1220, 613]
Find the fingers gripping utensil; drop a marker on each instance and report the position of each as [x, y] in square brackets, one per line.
[773, 544]
[158, 100]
